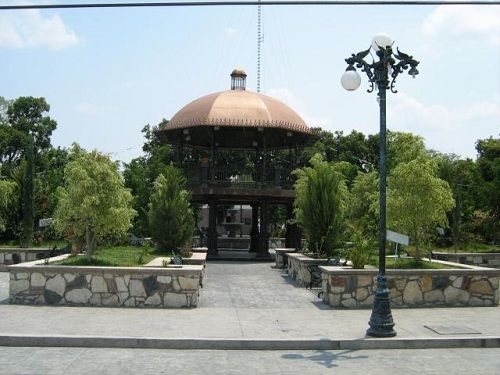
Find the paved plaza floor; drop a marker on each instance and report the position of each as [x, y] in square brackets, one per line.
[240, 300]
[83, 361]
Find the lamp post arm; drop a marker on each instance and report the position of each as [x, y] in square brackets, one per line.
[405, 61]
[357, 60]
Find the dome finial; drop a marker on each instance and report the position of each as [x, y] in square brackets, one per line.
[238, 79]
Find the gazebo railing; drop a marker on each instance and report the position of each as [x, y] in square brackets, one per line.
[229, 177]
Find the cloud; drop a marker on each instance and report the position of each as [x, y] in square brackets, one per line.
[294, 102]
[87, 108]
[447, 129]
[464, 21]
[29, 28]
[229, 32]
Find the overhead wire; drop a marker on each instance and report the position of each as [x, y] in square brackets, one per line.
[244, 3]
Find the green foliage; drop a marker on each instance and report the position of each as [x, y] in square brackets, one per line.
[25, 131]
[115, 256]
[94, 203]
[320, 205]
[408, 263]
[364, 201]
[28, 191]
[6, 191]
[418, 200]
[170, 215]
[488, 163]
[362, 250]
[462, 176]
[403, 147]
[141, 173]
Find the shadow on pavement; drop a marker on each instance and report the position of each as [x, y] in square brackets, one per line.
[325, 358]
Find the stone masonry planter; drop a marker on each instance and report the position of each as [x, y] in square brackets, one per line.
[491, 260]
[37, 283]
[471, 286]
[279, 255]
[298, 267]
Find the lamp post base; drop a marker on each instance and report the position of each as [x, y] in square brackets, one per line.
[381, 323]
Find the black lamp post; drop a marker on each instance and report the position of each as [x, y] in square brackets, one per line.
[382, 73]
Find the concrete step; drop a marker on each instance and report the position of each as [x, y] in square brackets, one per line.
[247, 344]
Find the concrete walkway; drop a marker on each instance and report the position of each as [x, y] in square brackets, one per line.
[241, 304]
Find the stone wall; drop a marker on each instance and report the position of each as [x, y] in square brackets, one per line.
[36, 283]
[347, 288]
[279, 255]
[491, 260]
[298, 267]
[14, 255]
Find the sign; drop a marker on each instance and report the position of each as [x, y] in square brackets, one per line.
[45, 222]
[402, 239]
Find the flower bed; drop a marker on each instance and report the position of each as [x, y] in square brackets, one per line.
[470, 286]
[37, 283]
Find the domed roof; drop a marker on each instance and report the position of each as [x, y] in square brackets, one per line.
[236, 119]
[240, 108]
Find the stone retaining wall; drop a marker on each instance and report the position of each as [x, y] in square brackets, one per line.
[36, 283]
[348, 288]
[298, 267]
[491, 260]
[14, 255]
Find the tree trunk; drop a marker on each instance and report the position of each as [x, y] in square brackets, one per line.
[89, 242]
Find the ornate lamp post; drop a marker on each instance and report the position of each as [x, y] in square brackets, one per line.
[382, 74]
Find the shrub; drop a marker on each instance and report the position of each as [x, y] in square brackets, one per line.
[170, 215]
[320, 205]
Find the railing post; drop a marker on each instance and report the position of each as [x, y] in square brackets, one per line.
[277, 175]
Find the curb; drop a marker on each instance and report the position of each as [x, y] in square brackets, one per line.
[246, 344]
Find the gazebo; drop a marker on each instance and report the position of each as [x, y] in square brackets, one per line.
[261, 133]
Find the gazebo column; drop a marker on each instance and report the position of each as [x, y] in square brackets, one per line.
[264, 233]
[212, 228]
[254, 233]
[292, 234]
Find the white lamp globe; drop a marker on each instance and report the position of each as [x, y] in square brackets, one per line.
[350, 80]
[381, 40]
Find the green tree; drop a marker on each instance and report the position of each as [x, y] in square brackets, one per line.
[364, 203]
[461, 175]
[488, 163]
[141, 173]
[94, 203]
[6, 190]
[28, 199]
[25, 130]
[170, 215]
[418, 200]
[320, 205]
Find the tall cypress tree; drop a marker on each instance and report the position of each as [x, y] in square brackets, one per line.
[28, 191]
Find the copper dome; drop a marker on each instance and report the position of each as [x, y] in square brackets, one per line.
[238, 108]
[236, 115]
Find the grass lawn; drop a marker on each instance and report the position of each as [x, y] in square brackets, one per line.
[407, 263]
[471, 247]
[115, 256]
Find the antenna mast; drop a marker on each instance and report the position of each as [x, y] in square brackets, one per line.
[260, 39]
